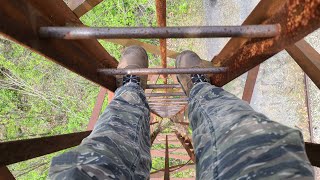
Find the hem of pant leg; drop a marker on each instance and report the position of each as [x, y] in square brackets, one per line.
[192, 95]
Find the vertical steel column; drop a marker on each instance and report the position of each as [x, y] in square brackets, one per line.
[306, 90]
[307, 58]
[155, 133]
[110, 96]
[250, 83]
[166, 163]
[5, 174]
[186, 143]
[161, 19]
[97, 108]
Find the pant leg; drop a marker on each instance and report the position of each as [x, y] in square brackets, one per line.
[118, 147]
[232, 141]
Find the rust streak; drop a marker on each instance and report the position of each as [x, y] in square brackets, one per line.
[161, 19]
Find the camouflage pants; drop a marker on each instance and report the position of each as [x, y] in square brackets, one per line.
[231, 141]
[118, 147]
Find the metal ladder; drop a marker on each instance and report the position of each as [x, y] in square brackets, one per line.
[168, 107]
[271, 27]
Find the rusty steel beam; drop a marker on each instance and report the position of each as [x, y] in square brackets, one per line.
[170, 138]
[250, 83]
[167, 103]
[164, 94]
[21, 150]
[166, 113]
[168, 100]
[186, 142]
[307, 102]
[5, 174]
[168, 89]
[20, 21]
[166, 162]
[152, 123]
[85, 6]
[73, 4]
[172, 156]
[161, 8]
[312, 151]
[148, 47]
[163, 86]
[261, 12]
[163, 50]
[307, 58]
[297, 19]
[148, 71]
[172, 143]
[182, 110]
[183, 123]
[176, 168]
[171, 90]
[171, 150]
[154, 135]
[97, 108]
[110, 96]
[156, 113]
[253, 31]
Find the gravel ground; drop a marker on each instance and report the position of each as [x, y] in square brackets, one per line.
[314, 97]
[279, 90]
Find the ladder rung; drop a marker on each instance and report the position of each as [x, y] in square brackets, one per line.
[164, 94]
[163, 86]
[148, 71]
[168, 99]
[252, 31]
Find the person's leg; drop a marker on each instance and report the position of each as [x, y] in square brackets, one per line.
[119, 145]
[231, 140]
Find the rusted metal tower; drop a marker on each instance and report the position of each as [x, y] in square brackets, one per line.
[43, 26]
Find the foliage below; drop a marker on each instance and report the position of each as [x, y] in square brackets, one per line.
[40, 98]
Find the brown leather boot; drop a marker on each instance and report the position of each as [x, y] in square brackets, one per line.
[189, 59]
[133, 57]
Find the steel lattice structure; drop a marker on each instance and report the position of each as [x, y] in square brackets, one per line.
[27, 22]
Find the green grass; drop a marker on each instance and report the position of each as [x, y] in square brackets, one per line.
[40, 98]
